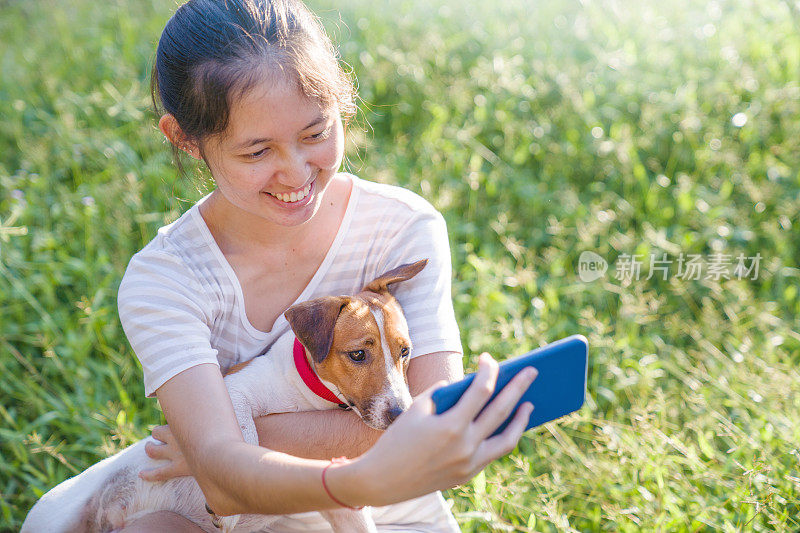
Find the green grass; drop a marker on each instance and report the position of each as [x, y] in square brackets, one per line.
[540, 130]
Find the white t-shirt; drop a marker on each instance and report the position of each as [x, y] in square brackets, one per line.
[181, 304]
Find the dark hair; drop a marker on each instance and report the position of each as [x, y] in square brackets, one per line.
[213, 51]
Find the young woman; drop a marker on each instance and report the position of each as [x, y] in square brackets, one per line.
[254, 89]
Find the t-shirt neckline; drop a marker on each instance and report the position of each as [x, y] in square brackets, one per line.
[307, 291]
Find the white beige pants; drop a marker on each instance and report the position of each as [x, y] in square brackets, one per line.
[428, 514]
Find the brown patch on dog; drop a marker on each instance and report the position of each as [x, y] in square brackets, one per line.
[356, 329]
[237, 367]
[313, 323]
[333, 328]
[401, 273]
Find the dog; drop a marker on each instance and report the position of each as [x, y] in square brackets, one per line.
[349, 352]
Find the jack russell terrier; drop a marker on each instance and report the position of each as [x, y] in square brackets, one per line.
[349, 352]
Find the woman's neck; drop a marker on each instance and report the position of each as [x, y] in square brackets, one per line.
[237, 231]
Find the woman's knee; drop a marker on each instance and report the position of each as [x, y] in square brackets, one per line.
[162, 521]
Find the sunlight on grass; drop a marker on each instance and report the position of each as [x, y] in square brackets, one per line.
[540, 130]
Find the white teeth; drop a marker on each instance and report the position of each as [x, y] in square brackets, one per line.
[294, 197]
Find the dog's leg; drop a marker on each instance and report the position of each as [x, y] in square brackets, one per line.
[244, 412]
[348, 520]
[248, 427]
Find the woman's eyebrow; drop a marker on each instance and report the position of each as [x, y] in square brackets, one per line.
[253, 142]
[319, 119]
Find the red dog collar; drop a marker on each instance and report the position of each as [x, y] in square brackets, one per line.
[310, 378]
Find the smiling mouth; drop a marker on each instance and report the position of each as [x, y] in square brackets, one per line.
[290, 198]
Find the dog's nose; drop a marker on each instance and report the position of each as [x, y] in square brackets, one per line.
[393, 413]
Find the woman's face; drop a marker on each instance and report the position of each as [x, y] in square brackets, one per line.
[278, 154]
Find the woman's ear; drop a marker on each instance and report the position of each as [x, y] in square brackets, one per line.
[174, 134]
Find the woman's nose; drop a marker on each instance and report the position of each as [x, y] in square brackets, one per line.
[295, 170]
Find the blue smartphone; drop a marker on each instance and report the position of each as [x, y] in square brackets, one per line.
[559, 389]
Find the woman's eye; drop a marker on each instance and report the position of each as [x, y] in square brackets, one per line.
[321, 135]
[404, 352]
[258, 154]
[357, 355]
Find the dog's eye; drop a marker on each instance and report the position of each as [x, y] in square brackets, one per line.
[404, 352]
[357, 355]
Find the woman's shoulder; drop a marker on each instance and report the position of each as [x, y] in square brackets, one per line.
[175, 250]
[383, 197]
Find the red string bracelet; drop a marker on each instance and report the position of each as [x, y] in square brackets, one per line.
[336, 460]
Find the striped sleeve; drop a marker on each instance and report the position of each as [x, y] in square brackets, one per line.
[426, 298]
[164, 313]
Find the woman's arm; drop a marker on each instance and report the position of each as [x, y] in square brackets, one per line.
[440, 450]
[326, 434]
[313, 434]
[425, 370]
[234, 476]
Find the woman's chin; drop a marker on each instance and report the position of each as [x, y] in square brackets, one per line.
[293, 214]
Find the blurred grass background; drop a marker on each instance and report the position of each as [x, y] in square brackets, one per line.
[540, 130]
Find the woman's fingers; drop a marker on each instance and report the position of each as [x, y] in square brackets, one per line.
[421, 450]
[503, 404]
[153, 474]
[478, 392]
[156, 451]
[162, 473]
[162, 447]
[505, 442]
[162, 433]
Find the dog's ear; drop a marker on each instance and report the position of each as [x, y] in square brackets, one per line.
[313, 323]
[401, 273]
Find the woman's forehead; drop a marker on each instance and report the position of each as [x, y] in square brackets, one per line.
[273, 108]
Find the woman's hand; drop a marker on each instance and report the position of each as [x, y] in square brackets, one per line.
[314, 434]
[422, 452]
[166, 449]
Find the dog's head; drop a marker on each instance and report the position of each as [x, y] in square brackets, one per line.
[361, 344]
